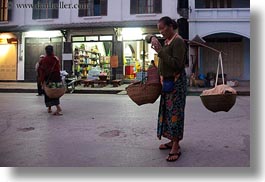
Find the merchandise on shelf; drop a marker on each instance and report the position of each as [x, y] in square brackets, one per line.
[105, 66]
[85, 60]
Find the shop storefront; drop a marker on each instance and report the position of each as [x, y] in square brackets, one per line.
[92, 52]
[137, 54]
[91, 56]
[8, 56]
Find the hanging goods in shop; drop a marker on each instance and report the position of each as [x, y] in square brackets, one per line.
[145, 92]
[114, 62]
[221, 97]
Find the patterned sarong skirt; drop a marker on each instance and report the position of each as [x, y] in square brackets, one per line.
[172, 110]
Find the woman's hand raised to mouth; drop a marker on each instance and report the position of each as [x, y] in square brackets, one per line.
[156, 44]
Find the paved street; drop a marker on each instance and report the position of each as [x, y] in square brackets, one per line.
[111, 130]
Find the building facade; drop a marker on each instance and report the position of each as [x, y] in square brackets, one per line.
[94, 30]
[225, 26]
[88, 34]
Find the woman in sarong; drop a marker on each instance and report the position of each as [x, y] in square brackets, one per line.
[49, 68]
[172, 56]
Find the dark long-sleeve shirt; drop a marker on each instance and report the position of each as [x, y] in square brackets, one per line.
[172, 58]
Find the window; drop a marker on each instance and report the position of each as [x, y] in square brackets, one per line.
[92, 38]
[4, 10]
[213, 4]
[45, 9]
[146, 6]
[222, 4]
[78, 39]
[92, 8]
[183, 4]
[106, 38]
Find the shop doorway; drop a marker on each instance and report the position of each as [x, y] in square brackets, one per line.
[8, 62]
[8, 56]
[34, 47]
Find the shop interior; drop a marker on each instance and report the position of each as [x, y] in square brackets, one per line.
[137, 53]
[92, 59]
[137, 58]
[92, 54]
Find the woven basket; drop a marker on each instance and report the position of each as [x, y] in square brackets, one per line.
[54, 93]
[220, 102]
[216, 103]
[152, 75]
[144, 93]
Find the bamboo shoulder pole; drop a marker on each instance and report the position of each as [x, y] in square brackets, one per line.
[198, 43]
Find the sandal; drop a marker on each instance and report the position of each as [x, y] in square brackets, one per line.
[176, 155]
[49, 110]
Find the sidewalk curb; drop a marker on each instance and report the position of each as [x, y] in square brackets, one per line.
[17, 90]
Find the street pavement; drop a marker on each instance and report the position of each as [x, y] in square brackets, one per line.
[100, 130]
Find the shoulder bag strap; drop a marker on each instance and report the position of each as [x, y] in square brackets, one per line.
[52, 68]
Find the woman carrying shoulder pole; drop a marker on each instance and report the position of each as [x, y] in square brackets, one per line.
[174, 86]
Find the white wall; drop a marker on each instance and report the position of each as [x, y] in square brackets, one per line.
[118, 10]
[114, 13]
[169, 8]
[64, 16]
[209, 21]
[207, 28]
[17, 14]
[21, 62]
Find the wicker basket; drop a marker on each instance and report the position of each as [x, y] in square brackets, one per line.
[54, 93]
[220, 102]
[152, 75]
[144, 93]
[216, 103]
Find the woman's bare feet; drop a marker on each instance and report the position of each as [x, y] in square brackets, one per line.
[166, 146]
[58, 112]
[49, 110]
